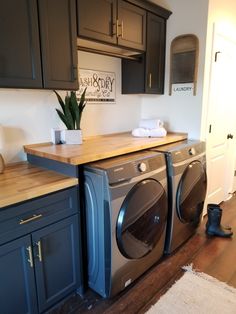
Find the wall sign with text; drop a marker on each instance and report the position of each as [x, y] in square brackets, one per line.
[101, 86]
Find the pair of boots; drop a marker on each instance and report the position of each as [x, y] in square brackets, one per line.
[213, 226]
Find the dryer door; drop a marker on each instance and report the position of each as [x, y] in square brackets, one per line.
[142, 219]
[191, 193]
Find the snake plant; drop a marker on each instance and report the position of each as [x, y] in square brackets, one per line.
[71, 112]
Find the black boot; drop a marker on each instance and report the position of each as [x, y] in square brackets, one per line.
[216, 206]
[213, 226]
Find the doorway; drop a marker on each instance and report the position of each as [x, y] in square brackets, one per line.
[220, 138]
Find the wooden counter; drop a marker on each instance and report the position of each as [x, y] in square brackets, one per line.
[22, 181]
[99, 147]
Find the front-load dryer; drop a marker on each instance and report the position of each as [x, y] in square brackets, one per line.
[126, 215]
[187, 184]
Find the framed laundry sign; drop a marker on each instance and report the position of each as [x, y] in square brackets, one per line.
[184, 63]
[101, 86]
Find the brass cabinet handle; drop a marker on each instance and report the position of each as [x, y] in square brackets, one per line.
[150, 80]
[117, 28]
[118, 25]
[122, 29]
[39, 251]
[34, 217]
[30, 259]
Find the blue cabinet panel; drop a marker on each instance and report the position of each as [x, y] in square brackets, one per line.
[15, 221]
[17, 285]
[40, 252]
[57, 261]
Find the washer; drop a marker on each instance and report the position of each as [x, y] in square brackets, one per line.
[187, 184]
[126, 216]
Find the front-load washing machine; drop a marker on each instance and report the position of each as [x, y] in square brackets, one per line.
[126, 215]
[187, 183]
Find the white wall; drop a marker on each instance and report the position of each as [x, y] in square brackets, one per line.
[181, 112]
[109, 118]
[28, 115]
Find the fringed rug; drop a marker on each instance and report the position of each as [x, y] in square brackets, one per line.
[196, 293]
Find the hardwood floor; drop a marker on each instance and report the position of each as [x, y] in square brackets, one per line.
[212, 255]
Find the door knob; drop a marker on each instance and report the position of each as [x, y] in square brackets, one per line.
[230, 136]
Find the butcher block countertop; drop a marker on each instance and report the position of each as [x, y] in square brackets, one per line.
[23, 181]
[99, 147]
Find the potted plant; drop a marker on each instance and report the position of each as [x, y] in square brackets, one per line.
[71, 115]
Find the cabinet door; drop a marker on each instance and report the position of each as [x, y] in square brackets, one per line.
[57, 266]
[17, 287]
[20, 64]
[58, 43]
[97, 20]
[155, 55]
[131, 26]
[147, 74]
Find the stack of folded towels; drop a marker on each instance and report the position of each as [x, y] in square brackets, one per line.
[150, 128]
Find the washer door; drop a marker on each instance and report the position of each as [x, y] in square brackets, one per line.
[191, 193]
[142, 219]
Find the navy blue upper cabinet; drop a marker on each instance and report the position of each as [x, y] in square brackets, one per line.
[97, 20]
[20, 63]
[155, 55]
[115, 22]
[131, 28]
[17, 286]
[38, 44]
[58, 43]
[146, 76]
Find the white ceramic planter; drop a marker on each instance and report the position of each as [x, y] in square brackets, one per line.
[71, 136]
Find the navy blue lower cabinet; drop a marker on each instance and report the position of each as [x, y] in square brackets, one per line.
[40, 253]
[17, 282]
[57, 261]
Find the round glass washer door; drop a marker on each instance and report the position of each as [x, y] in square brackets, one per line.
[142, 219]
[191, 193]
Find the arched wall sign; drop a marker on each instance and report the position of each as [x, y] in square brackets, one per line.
[184, 61]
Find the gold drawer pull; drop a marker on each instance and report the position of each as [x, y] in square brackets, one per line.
[34, 217]
[39, 251]
[30, 259]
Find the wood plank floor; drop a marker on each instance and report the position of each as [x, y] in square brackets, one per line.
[212, 255]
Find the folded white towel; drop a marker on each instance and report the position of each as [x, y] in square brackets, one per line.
[151, 123]
[160, 132]
[142, 132]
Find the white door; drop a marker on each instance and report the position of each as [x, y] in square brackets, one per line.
[221, 120]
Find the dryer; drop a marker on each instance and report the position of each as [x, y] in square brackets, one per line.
[126, 215]
[187, 184]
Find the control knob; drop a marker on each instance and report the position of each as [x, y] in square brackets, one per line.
[142, 167]
[192, 151]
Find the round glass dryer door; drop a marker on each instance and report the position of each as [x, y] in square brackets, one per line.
[142, 219]
[191, 193]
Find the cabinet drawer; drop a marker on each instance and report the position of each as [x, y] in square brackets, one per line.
[26, 217]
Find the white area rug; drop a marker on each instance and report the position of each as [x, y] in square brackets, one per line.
[196, 293]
